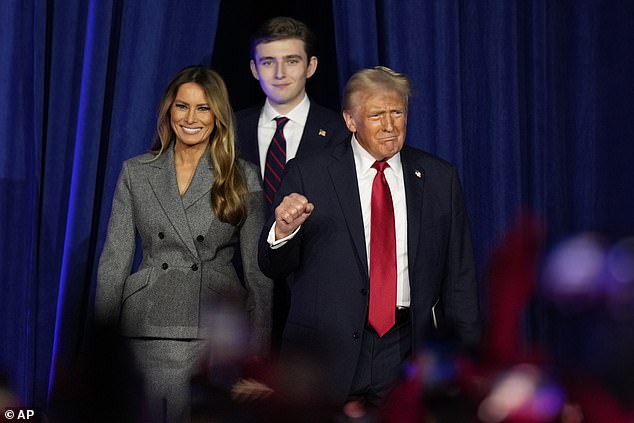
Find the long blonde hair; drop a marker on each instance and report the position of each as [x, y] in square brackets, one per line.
[229, 190]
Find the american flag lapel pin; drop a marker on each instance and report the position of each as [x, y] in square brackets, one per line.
[322, 132]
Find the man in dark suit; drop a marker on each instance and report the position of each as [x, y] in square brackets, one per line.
[282, 60]
[377, 237]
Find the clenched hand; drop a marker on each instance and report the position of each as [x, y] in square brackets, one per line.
[291, 214]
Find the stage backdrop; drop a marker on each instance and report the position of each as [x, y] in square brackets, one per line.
[531, 100]
[79, 87]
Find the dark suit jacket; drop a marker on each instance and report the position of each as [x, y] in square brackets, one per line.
[329, 291]
[187, 253]
[324, 128]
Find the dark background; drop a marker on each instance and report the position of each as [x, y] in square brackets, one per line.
[231, 51]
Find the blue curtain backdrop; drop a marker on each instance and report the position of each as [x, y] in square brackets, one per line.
[532, 100]
[79, 87]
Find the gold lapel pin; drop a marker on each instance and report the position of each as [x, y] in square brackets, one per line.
[322, 133]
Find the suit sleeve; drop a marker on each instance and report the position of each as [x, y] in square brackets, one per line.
[460, 288]
[116, 259]
[280, 262]
[260, 288]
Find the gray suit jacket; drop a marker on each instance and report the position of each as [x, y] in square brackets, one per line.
[187, 254]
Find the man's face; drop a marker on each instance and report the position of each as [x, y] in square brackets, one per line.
[378, 120]
[282, 68]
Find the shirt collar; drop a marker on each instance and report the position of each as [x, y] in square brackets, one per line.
[298, 114]
[363, 160]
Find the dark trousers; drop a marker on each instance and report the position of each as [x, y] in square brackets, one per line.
[380, 363]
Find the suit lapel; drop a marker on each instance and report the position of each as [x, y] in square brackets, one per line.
[414, 181]
[344, 179]
[201, 182]
[162, 179]
[316, 133]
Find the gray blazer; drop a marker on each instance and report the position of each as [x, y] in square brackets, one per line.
[187, 254]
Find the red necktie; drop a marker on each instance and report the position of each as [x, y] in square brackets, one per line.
[275, 161]
[382, 255]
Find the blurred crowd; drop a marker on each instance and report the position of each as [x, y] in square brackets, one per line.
[578, 368]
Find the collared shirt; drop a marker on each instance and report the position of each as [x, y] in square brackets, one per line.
[293, 129]
[394, 175]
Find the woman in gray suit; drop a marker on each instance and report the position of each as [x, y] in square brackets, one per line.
[192, 202]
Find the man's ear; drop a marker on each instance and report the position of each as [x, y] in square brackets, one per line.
[254, 70]
[312, 67]
[347, 117]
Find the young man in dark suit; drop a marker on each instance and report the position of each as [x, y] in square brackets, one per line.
[289, 123]
[282, 60]
[377, 236]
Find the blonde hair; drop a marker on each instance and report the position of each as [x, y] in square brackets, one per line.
[371, 79]
[229, 189]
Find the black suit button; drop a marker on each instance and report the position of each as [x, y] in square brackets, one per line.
[364, 291]
[161, 235]
[164, 266]
[355, 335]
[200, 238]
[194, 267]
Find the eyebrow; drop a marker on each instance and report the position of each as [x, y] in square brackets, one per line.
[384, 111]
[176, 100]
[290, 56]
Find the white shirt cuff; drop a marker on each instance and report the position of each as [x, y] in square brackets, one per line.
[280, 242]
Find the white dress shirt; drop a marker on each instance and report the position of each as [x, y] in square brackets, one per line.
[394, 175]
[293, 129]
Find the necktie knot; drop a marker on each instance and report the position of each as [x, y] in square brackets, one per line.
[380, 166]
[281, 121]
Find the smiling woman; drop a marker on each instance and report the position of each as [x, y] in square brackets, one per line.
[192, 119]
[193, 203]
[192, 122]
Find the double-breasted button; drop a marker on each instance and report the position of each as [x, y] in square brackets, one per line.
[164, 266]
[194, 267]
[355, 335]
[161, 235]
[200, 238]
[364, 291]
